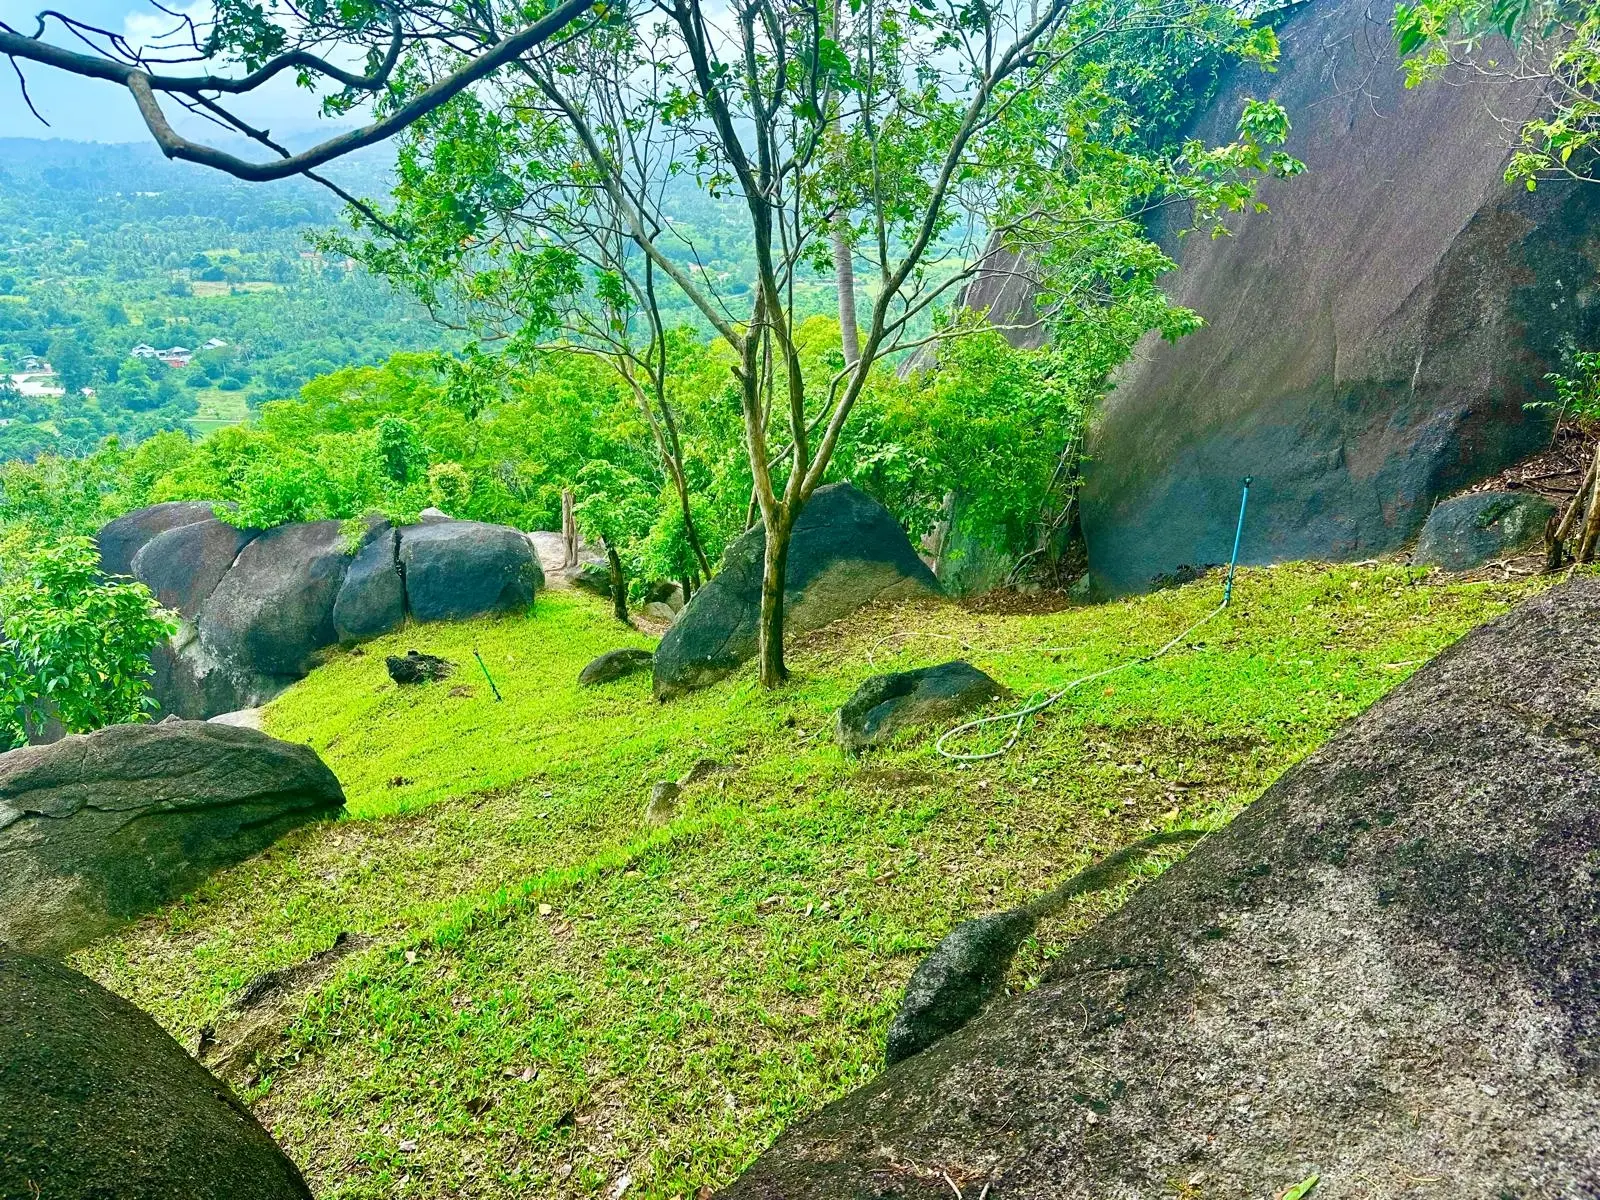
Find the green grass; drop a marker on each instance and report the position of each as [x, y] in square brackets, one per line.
[558, 997]
[219, 409]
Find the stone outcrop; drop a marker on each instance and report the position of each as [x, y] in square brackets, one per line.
[121, 539]
[1372, 339]
[98, 828]
[845, 551]
[97, 1101]
[884, 704]
[614, 665]
[258, 607]
[1382, 971]
[1470, 530]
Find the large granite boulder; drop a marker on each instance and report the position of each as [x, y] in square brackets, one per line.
[98, 1102]
[846, 550]
[258, 607]
[885, 704]
[183, 565]
[1372, 340]
[458, 569]
[100, 827]
[372, 599]
[274, 609]
[121, 539]
[1470, 530]
[1383, 971]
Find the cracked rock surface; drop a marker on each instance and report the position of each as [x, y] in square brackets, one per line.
[1385, 971]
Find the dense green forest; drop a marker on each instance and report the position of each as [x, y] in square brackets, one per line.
[105, 248]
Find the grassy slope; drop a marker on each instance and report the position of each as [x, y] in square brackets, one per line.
[559, 999]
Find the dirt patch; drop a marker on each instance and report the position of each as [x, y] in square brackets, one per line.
[1553, 473]
[256, 1017]
[1011, 602]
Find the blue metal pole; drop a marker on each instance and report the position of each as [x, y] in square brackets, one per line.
[1233, 563]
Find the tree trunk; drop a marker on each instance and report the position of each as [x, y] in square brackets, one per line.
[844, 272]
[619, 585]
[569, 528]
[684, 585]
[774, 571]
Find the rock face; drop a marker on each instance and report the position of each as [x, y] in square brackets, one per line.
[846, 550]
[96, 1101]
[100, 827]
[121, 539]
[1382, 970]
[258, 607]
[184, 565]
[274, 609]
[614, 664]
[886, 703]
[1470, 530]
[458, 569]
[1370, 345]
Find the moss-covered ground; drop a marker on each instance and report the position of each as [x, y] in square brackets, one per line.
[559, 1001]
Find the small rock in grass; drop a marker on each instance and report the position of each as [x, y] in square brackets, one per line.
[663, 804]
[615, 664]
[956, 980]
[702, 768]
[418, 668]
[886, 703]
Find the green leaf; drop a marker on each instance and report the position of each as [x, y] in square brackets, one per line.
[1302, 1189]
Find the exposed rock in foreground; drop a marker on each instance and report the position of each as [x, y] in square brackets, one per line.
[1383, 971]
[1369, 346]
[100, 827]
[258, 607]
[846, 551]
[96, 1101]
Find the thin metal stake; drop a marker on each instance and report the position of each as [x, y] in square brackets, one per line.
[1233, 563]
[484, 667]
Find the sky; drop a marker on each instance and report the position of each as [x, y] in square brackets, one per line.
[88, 110]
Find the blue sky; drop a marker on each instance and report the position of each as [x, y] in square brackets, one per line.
[90, 111]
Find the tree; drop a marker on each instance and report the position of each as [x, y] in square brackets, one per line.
[556, 191]
[616, 507]
[73, 646]
[1548, 44]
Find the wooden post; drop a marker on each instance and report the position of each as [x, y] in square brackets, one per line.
[569, 529]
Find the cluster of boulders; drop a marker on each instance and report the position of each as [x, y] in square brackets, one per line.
[257, 607]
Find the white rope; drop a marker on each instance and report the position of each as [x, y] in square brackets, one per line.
[1021, 715]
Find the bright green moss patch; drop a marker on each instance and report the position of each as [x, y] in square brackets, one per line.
[558, 999]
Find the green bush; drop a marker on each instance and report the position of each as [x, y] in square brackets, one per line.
[72, 645]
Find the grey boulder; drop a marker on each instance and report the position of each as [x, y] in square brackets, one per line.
[1382, 971]
[372, 599]
[97, 1102]
[101, 827]
[274, 609]
[121, 539]
[615, 664]
[184, 565]
[887, 703]
[1470, 530]
[846, 551]
[458, 569]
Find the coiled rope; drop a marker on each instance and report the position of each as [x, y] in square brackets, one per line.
[1019, 717]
